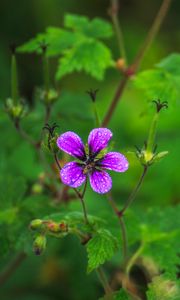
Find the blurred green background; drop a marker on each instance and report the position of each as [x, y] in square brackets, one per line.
[61, 272]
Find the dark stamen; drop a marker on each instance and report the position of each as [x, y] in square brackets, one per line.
[160, 105]
[92, 93]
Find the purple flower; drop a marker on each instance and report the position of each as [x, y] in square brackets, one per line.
[90, 164]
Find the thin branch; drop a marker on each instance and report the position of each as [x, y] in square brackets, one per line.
[122, 226]
[134, 192]
[152, 33]
[115, 100]
[133, 68]
[104, 281]
[114, 15]
[11, 267]
[80, 196]
[57, 161]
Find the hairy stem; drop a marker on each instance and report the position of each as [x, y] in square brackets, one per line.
[134, 192]
[104, 281]
[14, 80]
[11, 267]
[80, 195]
[122, 227]
[133, 68]
[114, 15]
[152, 134]
[57, 161]
[96, 115]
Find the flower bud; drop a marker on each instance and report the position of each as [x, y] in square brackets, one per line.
[15, 111]
[35, 224]
[57, 227]
[159, 156]
[39, 244]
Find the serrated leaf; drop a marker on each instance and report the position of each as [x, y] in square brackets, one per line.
[157, 230]
[171, 64]
[90, 56]
[100, 248]
[57, 41]
[163, 81]
[33, 45]
[97, 28]
[158, 84]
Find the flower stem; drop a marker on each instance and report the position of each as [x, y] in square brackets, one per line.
[57, 162]
[114, 15]
[14, 80]
[134, 192]
[132, 69]
[96, 115]
[46, 72]
[81, 197]
[122, 227]
[104, 281]
[152, 134]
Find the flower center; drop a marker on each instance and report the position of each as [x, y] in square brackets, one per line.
[89, 167]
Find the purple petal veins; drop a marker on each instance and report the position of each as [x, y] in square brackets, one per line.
[72, 144]
[72, 174]
[114, 161]
[100, 181]
[98, 139]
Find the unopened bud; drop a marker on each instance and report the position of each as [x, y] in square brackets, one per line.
[159, 156]
[39, 244]
[57, 227]
[35, 224]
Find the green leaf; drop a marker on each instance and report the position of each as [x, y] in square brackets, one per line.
[162, 288]
[33, 45]
[56, 38]
[163, 81]
[97, 28]
[158, 84]
[120, 295]
[90, 56]
[157, 230]
[100, 248]
[171, 64]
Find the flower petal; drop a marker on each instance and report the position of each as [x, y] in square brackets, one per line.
[100, 181]
[114, 161]
[72, 144]
[98, 139]
[72, 174]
